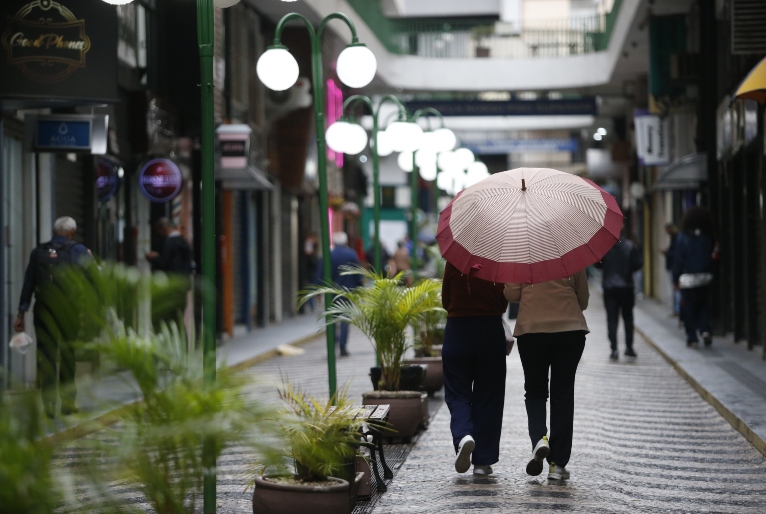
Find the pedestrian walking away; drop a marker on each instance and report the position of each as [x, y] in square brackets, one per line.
[618, 266]
[669, 252]
[693, 273]
[402, 261]
[550, 331]
[56, 322]
[340, 256]
[175, 258]
[473, 357]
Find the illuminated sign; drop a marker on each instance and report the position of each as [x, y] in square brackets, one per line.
[160, 180]
[107, 180]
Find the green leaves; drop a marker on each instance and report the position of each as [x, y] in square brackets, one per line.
[382, 310]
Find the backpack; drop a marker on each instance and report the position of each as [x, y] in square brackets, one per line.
[50, 257]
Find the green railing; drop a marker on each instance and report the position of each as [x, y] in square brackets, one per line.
[477, 37]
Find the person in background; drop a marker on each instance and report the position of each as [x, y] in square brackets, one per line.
[550, 332]
[672, 232]
[402, 261]
[693, 273]
[342, 255]
[175, 258]
[619, 264]
[56, 322]
[311, 252]
[385, 257]
[473, 357]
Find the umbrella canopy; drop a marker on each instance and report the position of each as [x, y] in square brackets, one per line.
[528, 225]
[754, 85]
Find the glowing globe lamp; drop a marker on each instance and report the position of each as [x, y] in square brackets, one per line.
[356, 66]
[277, 68]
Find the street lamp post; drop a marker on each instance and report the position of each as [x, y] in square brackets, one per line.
[278, 70]
[426, 111]
[378, 265]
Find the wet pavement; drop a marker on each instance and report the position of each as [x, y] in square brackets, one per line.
[644, 441]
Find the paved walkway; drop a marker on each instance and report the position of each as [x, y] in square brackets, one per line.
[645, 441]
[728, 375]
[98, 396]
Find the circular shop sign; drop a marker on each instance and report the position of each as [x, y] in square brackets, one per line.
[107, 180]
[160, 180]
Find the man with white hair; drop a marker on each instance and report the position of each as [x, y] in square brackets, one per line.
[55, 331]
[342, 255]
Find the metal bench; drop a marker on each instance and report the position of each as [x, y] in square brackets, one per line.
[374, 419]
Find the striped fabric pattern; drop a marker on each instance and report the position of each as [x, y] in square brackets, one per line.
[497, 231]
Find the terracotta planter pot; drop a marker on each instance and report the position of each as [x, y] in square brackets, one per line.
[411, 377]
[406, 410]
[434, 379]
[274, 498]
[365, 483]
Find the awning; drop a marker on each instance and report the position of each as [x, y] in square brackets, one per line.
[245, 179]
[754, 85]
[685, 173]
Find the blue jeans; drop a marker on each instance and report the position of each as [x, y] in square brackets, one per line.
[473, 357]
[341, 335]
[695, 312]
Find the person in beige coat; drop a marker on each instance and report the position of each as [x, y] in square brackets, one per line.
[550, 331]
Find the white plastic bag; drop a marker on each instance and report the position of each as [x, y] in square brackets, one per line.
[20, 342]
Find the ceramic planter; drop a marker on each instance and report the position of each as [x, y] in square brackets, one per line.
[274, 498]
[406, 410]
[434, 379]
[411, 378]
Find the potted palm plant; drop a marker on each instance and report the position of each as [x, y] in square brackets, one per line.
[383, 310]
[320, 444]
[429, 333]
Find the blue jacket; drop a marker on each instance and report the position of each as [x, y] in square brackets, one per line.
[619, 264]
[693, 254]
[341, 255]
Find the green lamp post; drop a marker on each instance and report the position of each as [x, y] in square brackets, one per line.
[340, 137]
[278, 70]
[432, 142]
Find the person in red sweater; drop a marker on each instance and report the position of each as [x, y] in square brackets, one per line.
[473, 356]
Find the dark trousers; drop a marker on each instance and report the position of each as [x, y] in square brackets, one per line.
[615, 301]
[55, 337]
[695, 311]
[560, 353]
[341, 335]
[473, 356]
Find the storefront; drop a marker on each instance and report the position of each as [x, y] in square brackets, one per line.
[57, 72]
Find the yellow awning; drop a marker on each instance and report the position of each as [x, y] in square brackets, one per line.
[754, 85]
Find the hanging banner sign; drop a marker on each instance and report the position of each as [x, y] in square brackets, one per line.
[508, 146]
[66, 133]
[53, 50]
[652, 139]
[234, 144]
[107, 180]
[160, 180]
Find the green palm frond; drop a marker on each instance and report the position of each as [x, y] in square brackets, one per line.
[382, 310]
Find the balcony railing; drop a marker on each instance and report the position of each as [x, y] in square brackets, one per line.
[468, 38]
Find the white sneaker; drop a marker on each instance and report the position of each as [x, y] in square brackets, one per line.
[557, 472]
[535, 466]
[482, 470]
[464, 451]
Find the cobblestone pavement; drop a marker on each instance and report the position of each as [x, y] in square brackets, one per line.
[644, 442]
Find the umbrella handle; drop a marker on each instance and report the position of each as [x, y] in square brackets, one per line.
[523, 185]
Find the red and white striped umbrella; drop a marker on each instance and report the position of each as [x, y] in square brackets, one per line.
[528, 225]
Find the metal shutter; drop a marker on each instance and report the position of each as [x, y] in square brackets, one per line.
[69, 192]
[748, 19]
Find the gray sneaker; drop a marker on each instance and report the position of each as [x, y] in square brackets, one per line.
[535, 465]
[482, 470]
[557, 472]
